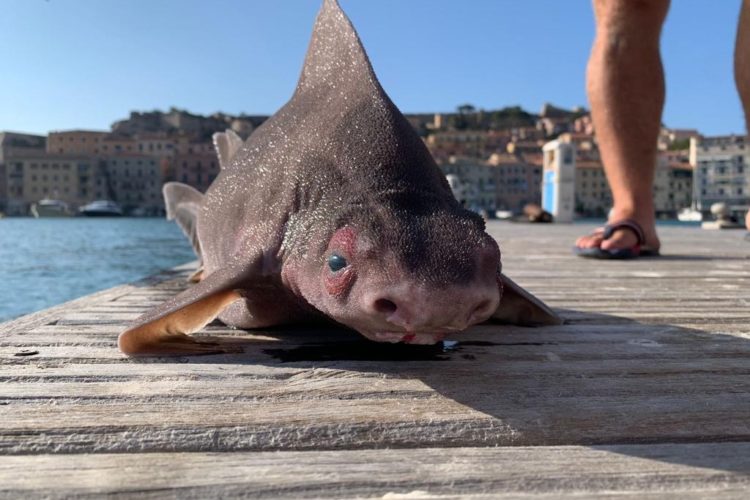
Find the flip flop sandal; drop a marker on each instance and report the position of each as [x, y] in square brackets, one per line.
[637, 250]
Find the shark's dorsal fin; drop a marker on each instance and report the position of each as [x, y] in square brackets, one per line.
[183, 203]
[227, 144]
[336, 61]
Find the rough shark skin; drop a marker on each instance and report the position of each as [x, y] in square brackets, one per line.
[334, 209]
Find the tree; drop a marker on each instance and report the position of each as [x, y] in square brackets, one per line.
[466, 109]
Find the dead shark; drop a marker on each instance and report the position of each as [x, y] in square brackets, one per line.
[333, 208]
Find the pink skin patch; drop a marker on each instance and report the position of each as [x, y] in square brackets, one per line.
[342, 243]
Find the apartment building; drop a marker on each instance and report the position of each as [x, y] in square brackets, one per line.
[516, 181]
[593, 198]
[61, 177]
[114, 144]
[478, 182]
[76, 142]
[14, 145]
[721, 172]
[197, 170]
[156, 144]
[673, 183]
[134, 181]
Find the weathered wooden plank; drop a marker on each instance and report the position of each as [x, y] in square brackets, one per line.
[654, 351]
[461, 407]
[710, 470]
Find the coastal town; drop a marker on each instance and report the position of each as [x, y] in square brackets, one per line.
[494, 159]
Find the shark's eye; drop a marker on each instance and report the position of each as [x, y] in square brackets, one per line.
[336, 263]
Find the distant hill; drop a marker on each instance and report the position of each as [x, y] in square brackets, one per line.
[181, 122]
[466, 117]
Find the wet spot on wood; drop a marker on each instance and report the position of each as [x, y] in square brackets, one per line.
[26, 352]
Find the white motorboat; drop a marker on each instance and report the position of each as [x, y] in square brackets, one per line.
[50, 208]
[689, 215]
[101, 208]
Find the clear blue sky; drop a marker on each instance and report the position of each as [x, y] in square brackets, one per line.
[86, 63]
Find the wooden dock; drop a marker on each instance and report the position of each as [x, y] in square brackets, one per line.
[645, 391]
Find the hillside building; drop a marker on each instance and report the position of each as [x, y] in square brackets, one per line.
[721, 172]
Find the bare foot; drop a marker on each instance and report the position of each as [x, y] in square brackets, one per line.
[622, 238]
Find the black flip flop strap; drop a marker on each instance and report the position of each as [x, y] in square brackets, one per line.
[629, 224]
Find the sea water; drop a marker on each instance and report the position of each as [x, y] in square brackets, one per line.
[44, 262]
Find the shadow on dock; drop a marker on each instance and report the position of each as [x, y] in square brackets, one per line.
[599, 380]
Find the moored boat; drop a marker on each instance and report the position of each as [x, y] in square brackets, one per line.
[50, 208]
[101, 208]
[689, 215]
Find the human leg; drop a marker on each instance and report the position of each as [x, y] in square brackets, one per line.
[742, 67]
[625, 83]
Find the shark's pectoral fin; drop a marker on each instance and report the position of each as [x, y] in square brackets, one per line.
[168, 334]
[183, 203]
[227, 144]
[519, 307]
[197, 276]
[164, 330]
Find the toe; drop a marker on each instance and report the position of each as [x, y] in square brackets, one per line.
[620, 240]
[590, 241]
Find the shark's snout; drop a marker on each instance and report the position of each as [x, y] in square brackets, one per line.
[416, 312]
[423, 309]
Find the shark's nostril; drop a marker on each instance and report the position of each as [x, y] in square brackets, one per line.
[385, 306]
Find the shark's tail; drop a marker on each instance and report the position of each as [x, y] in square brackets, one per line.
[183, 203]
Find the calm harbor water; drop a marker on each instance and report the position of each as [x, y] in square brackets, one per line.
[44, 262]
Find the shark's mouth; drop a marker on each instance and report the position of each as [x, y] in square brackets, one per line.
[423, 338]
